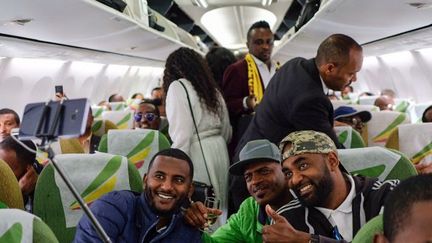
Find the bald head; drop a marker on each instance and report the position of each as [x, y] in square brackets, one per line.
[384, 103]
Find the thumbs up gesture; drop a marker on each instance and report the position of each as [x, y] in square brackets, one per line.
[281, 230]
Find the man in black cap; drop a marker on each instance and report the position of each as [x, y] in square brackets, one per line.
[259, 164]
[331, 205]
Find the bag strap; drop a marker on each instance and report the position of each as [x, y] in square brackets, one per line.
[196, 129]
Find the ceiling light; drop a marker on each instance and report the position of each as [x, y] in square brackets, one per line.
[266, 2]
[229, 25]
[202, 3]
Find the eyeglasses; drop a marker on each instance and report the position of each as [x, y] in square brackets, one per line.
[148, 116]
[355, 121]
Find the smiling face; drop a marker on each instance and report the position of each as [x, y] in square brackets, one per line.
[167, 184]
[149, 118]
[265, 182]
[309, 177]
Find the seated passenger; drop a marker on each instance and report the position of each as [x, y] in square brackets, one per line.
[259, 164]
[331, 204]
[157, 94]
[346, 91]
[137, 96]
[116, 98]
[147, 115]
[427, 115]
[152, 216]
[22, 163]
[385, 103]
[407, 213]
[9, 120]
[348, 116]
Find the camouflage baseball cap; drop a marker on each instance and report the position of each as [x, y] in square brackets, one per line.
[308, 141]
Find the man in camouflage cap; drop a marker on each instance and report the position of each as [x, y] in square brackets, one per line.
[308, 142]
[331, 204]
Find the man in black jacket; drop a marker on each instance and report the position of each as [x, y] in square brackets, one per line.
[295, 98]
[331, 205]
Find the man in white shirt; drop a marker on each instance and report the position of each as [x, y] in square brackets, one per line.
[331, 205]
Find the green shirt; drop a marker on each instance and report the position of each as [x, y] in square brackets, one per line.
[243, 226]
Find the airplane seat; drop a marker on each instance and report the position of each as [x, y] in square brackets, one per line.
[139, 145]
[418, 111]
[381, 126]
[118, 106]
[367, 231]
[19, 226]
[101, 127]
[10, 192]
[377, 162]
[414, 140]
[122, 119]
[337, 103]
[367, 100]
[403, 104]
[97, 111]
[93, 175]
[133, 104]
[349, 137]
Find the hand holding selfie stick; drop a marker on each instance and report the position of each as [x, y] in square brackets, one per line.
[47, 139]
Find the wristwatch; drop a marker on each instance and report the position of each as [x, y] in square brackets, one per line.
[314, 239]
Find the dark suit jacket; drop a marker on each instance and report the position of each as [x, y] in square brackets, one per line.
[294, 100]
[235, 87]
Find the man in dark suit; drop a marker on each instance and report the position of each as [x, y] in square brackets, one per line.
[244, 81]
[296, 96]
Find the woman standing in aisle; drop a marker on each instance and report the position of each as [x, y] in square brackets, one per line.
[187, 74]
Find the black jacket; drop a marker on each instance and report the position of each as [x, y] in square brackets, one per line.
[367, 203]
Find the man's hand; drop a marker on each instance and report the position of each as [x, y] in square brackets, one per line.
[28, 181]
[281, 230]
[251, 102]
[196, 214]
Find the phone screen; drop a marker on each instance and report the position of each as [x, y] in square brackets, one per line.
[59, 89]
[72, 120]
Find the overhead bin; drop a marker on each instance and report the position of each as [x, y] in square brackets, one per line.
[88, 24]
[366, 22]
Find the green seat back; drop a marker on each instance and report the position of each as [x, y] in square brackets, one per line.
[415, 140]
[122, 119]
[93, 175]
[382, 124]
[377, 162]
[19, 226]
[367, 231]
[101, 127]
[10, 192]
[349, 137]
[139, 145]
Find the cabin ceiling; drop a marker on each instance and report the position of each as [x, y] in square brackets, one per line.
[367, 22]
[227, 21]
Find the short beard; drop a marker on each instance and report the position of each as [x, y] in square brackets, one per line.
[176, 207]
[323, 189]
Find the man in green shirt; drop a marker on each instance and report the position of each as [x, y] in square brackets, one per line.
[260, 165]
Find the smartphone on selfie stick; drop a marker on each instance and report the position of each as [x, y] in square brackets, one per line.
[50, 120]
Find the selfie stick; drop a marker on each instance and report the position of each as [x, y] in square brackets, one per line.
[50, 137]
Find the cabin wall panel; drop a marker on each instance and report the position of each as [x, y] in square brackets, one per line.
[407, 73]
[25, 81]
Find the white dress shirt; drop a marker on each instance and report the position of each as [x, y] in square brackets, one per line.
[342, 216]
